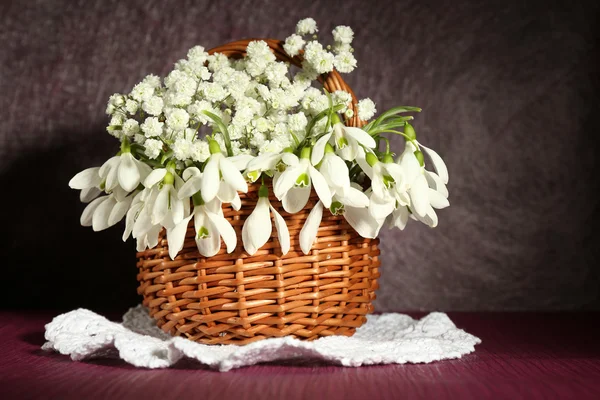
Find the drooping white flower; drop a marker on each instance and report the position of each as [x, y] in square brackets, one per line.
[88, 181]
[294, 185]
[257, 227]
[123, 171]
[167, 209]
[346, 140]
[105, 211]
[210, 226]
[308, 233]
[217, 166]
[426, 190]
[366, 109]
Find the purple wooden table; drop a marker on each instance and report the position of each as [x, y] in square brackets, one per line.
[523, 355]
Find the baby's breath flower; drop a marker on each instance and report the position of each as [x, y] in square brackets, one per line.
[153, 106]
[243, 116]
[366, 109]
[217, 61]
[342, 97]
[276, 73]
[214, 92]
[139, 138]
[195, 110]
[152, 80]
[199, 151]
[131, 106]
[306, 26]
[293, 44]
[142, 91]
[131, 127]
[297, 122]
[177, 119]
[259, 52]
[182, 149]
[345, 62]
[197, 53]
[343, 34]
[152, 127]
[153, 148]
[173, 77]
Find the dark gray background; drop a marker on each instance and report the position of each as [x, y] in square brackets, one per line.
[510, 97]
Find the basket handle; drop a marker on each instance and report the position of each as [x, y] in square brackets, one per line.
[331, 81]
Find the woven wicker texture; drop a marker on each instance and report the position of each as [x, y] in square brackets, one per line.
[237, 299]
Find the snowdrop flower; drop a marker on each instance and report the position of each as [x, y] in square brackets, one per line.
[219, 165]
[210, 226]
[385, 176]
[124, 170]
[167, 208]
[346, 139]
[363, 221]
[308, 233]
[423, 198]
[88, 181]
[293, 186]
[138, 221]
[366, 109]
[257, 227]
[104, 212]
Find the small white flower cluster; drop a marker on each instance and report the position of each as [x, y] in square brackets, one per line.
[193, 141]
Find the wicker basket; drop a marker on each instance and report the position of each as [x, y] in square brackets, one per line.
[238, 299]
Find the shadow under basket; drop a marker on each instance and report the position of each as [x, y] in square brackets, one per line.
[237, 298]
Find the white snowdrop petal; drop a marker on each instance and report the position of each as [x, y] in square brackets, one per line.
[320, 185]
[89, 194]
[232, 175]
[283, 233]
[435, 182]
[210, 179]
[438, 164]
[161, 206]
[129, 175]
[88, 211]
[360, 136]
[154, 177]
[189, 188]
[100, 217]
[437, 200]
[176, 237]
[318, 149]
[361, 220]
[295, 199]
[257, 227]
[225, 230]
[119, 211]
[85, 179]
[419, 195]
[308, 233]
[111, 163]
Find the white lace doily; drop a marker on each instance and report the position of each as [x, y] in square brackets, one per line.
[384, 339]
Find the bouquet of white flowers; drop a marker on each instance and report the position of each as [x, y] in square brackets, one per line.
[192, 142]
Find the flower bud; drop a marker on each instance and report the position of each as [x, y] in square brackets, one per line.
[420, 157]
[372, 159]
[305, 152]
[214, 147]
[335, 119]
[410, 131]
[387, 158]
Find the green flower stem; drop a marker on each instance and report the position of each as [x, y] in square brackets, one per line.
[125, 145]
[263, 191]
[305, 152]
[197, 199]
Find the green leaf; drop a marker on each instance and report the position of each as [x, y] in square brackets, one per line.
[222, 128]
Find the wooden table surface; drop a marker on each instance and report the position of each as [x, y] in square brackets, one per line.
[523, 355]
